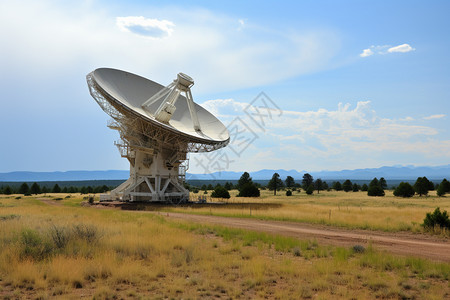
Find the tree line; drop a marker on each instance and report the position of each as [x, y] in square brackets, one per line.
[376, 187]
[36, 189]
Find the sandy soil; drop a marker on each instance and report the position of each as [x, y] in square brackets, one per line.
[402, 243]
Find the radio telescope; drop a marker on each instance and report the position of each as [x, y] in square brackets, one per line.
[158, 127]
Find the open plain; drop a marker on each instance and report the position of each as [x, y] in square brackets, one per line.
[63, 249]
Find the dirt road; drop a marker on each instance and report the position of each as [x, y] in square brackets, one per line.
[402, 243]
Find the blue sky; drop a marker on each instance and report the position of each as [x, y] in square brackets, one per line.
[351, 84]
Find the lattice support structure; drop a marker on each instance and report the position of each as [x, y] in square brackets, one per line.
[157, 154]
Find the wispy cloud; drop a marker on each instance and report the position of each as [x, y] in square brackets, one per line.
[401, 48]
[438, 116]
[152, 28]
[366, 52]
[325, 138]
[202, 43]
[386, 49]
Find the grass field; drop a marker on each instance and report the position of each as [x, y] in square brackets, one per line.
[68, 251]
[349, 210]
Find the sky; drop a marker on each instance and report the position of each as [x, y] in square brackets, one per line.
[305, 85]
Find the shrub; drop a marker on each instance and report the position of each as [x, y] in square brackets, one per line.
[310, 189]
[364, 187]
[437, 218]
[288, 193]
[220, 192]
[89, 233]
[34, 245]
[404, 189]
[358, 249]
[249, 190]
[60, 236]
[375, 190]
[195, 191]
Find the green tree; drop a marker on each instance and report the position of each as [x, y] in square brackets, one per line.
[404, 189]
[228, 186]
[364, 187]
[310, 189]
[383, 183]
[443, 188]
[210, 187]
[7, 190]
[375, 188]
[437, 218]
[318, 184]
[421, 186]
[56, 189]
[24, 188]
[44, 190]
[347, 186]
[245, 178]
[446, 185]
[356, 187]
[288, 193]
[307, 181]
[374, 182]
[275, 183]
[220, 192]
[289, 181]
[35, 189]
[440, 190]
[325, 186]
[337, 186]
[249, 190]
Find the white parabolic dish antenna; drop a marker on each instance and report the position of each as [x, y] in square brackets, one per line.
[158, 126]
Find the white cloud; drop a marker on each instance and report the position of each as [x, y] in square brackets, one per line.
[407, 119]
[439, 116]
[366, 52]
[152, 28]
[386, 49]
[321, 139]
[203, 44]
[241, 24]
[401, 48]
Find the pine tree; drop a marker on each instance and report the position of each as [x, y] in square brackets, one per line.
[24, 189]
[35, 188]
[307, 181]
[347, 186]
[318, 184]
[275, 183]
[289, 181]
[56, 189]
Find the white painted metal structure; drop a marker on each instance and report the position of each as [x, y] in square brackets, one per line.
[158, 126]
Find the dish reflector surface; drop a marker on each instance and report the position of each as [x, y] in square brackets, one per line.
[130, 91]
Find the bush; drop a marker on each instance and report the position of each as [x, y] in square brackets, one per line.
[220, 192]
[375, 190]
[437, 218]
[288, 193]
[310, 189]
[60, 236]
[34, 245]
[358, 249]
[249, 190]
[89, 233]
[404, 189]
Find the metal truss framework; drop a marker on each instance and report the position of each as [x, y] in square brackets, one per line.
[142, 138]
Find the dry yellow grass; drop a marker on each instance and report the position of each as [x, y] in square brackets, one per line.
[122, 254]
[351, 209]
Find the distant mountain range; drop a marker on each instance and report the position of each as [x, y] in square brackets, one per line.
[394, 172]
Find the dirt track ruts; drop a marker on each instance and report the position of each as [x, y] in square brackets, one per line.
[402, 243]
